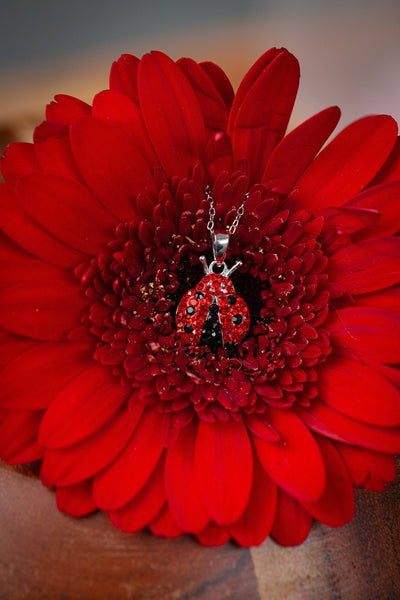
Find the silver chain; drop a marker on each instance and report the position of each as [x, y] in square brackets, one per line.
[211, 223]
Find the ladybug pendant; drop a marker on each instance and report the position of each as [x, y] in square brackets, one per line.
[213, 314]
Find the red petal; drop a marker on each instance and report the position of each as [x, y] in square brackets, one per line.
[125, 477]
[220, 80]
[381, 439]
[255, 524]
[17, 270]
[183, 492]
[49, 129]
[165, 525]
[260, 425]
[174, 123]
[215, 112]
[11, 346]
[369, 470]
[372, 333]
[123, 76]
[79, 220]
[19, 159]
[83, 460]
[66, 109]
[55, 157]
[219, 155]
[366, 267]
[348, 163]
[391, 169]
[114, 106]
[384, 198]
[41, 309]
[292, 522]
[111, 163]
[390, 373]
[336, 505]
[10, 251]
[224, 464]
[18, 437]
[250, 78]
[355, 390]
[385, 300]
[82, 406]
[213, 535]
[3, 414]
[21, 228]
[76, 500]
[264, 114]
[297, 149]
[295, 462]
[145, 506]
[34, 378]
[351, 219]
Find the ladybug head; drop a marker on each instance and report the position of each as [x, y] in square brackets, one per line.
[213, 284]
[226, 272]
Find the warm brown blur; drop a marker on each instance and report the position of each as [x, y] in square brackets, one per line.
[349, 51]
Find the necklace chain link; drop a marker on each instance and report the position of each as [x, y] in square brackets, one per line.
[211, 221]
[210, 224]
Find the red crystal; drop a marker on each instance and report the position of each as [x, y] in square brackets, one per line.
[234, 314]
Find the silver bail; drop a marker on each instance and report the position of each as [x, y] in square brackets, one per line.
[220, 242]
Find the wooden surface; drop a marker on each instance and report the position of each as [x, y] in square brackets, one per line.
[45, 555]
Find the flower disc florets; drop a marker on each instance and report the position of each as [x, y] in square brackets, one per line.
[136, 286]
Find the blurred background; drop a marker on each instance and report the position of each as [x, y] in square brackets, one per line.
[349, 50]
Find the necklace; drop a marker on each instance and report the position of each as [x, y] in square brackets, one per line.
[213, 314]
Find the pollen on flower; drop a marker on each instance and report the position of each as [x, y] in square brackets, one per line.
[145, 336]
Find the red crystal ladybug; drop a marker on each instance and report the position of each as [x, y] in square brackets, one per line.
[213, 310]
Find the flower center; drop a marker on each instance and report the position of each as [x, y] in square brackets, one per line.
[140, 280]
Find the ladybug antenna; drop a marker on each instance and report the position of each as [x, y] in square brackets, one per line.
[225, 272]
[203, 261]
[235, 266]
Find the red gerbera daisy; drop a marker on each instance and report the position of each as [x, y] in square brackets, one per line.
[104, 221]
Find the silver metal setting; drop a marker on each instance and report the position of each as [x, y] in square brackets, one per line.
[220, 243]
[225, 272]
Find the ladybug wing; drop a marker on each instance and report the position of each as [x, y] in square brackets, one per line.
[235, 319]
[190, 316]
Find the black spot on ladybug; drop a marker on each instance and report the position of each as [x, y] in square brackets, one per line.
[213, 310]
[215, 313]
[211, 334]
[188, 328]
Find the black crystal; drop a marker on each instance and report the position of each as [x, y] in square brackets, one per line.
[211, 334]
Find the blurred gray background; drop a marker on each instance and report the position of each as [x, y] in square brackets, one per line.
[349, 51]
